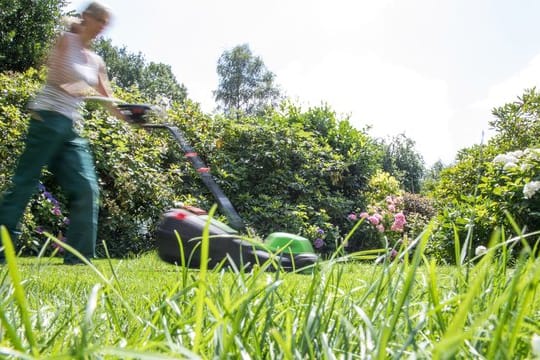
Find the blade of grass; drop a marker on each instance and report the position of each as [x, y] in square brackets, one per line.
[19, 294]
[402, 299]
[454, 335]
[201, 293]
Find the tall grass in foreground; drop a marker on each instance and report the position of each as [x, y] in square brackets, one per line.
[346, 308]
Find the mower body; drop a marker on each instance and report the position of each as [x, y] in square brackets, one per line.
[180, 232]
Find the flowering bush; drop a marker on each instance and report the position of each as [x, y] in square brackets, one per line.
[515, 185]
[323, 235]
[48, 208]
[381, 221]
[509, 185]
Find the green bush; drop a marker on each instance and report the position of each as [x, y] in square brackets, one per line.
[287, 170]
[284, 176]
[506, 195]
[134, 188]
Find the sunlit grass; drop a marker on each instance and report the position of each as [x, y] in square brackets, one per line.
[146, 309]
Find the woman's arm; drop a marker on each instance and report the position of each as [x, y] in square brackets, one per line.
[104, 89]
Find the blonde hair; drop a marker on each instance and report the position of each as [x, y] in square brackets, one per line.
[71, 23]
[97, 10]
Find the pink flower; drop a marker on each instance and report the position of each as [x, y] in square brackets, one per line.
[380, 227]
[374, 220]
[364, 215]
[392, 207]
[400, 217]
[352, 217]
[399, 222]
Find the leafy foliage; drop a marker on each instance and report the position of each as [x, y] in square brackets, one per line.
[155, 81]
[402, 161]
[279, 172]
[476, 196]
[245, 84]
[390, 217]
[26, 30]
[517, 123]
[286, 177]
[431, 177]
[134, 187]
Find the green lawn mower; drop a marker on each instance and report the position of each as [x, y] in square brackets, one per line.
[180, 231]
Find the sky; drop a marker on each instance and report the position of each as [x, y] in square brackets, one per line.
[430, 69]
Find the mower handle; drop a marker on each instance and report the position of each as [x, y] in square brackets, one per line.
[222, 200]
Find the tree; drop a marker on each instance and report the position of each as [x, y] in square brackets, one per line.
[432, 177]
[27, 28]
[245, 84]
[154, 80]
[402, 161]
[517, 124]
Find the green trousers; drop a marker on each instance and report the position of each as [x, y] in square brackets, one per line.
[52, 141]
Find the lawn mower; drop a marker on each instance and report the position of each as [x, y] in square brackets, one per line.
[180, 231]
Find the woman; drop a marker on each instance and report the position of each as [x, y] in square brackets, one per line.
[53, 141]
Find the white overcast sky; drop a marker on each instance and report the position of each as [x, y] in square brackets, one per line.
[431, 69]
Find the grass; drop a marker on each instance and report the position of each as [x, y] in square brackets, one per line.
[143, 308]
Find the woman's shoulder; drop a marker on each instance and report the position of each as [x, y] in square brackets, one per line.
[66, 38]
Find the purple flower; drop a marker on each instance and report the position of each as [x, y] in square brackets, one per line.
[41, 187]
[39, 229]
[56, 211]
[57, 246]
[320, 231]
[318, 243]
[66, 220]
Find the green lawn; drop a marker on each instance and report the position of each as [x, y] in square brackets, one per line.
[143, 308]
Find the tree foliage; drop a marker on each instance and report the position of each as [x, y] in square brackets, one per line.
[154, 81]
[402, 161]
[280, 173]
[27, 28]
[477, 194]
[518, 123]
[245, 84]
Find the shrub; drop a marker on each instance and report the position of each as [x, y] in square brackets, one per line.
[507, 193]
[287, 170]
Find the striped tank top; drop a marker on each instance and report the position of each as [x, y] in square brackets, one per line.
[79, 65]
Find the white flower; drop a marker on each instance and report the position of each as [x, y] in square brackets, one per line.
[530, 189]
[509, 165]
[480, 250]
[533, 153]
[516, 154]
[503, 159]
[535, 346]
[525, 167]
